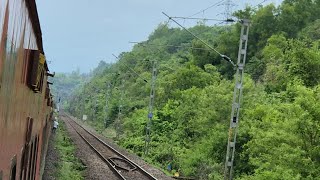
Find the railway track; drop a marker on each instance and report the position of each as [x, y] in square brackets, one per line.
[122, 167]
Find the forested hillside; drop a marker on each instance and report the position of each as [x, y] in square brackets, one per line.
[279, 133]
[64, 84]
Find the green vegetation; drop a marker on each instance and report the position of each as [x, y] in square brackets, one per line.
[64, 85]
[279, 135]
[69, 167]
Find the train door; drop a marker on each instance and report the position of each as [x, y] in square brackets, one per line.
[44, 141]
[35, 158]
[30, 162]
[24, 162]
[13, 170]
[27, 151]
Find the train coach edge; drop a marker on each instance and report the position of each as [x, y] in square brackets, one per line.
[26, 104]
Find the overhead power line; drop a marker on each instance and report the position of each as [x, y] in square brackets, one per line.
[203, 10]
[228, 9]
[260, 3]
[138, 75]
[170, 45]
[196, 18]
[205, 43]
[165, 25]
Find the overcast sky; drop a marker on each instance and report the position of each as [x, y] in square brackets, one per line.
[80, 33]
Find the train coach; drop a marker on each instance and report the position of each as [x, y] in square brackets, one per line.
[25, 98]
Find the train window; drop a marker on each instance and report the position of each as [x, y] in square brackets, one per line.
[13, 170]
[47, 93]
[37, 75]
[33, 69]
[41, 71]
[41, 80]
[26, 61]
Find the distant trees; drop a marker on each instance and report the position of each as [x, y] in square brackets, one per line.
[64, 85]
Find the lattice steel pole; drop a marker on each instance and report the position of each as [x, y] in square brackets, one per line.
[237, 95]
[58, 104]
[228, 11]
[95, 109]
[150, 112]
[107, 104]
[120, 109]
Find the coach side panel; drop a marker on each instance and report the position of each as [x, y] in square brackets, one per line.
[24, 112]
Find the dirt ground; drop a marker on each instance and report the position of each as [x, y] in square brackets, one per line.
[52, 159]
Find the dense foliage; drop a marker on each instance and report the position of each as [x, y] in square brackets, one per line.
[279, 135]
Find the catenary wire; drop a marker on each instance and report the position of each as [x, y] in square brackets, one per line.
[205, 43]
[202, 11]
[138, 75]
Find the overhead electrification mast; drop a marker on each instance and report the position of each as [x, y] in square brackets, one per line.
[118, 121]
[237, 95]
[236, 103]
[108, 94]
[150, 112]
[228, 11]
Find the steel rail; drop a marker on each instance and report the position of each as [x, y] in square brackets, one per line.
[107, 161]
[115, 151]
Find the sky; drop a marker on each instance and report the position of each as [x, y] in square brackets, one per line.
[78, 34]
